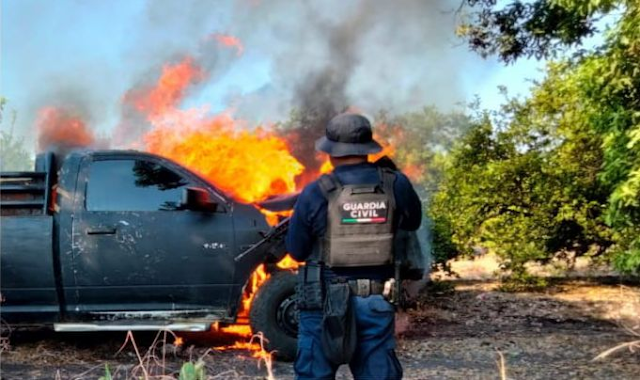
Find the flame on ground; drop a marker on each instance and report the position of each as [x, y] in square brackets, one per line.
[239, 346]
[256, 346]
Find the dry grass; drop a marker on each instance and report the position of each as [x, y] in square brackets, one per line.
[628, 317]
[5, 335]
[150, 365]
[631, 346]
[5, 332]
[502, 367]
[487, 267]
[155, 363]
[263, 355]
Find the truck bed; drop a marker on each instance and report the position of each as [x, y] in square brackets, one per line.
[27, 240]
[23, 193]
[28, 193]
[28, 282]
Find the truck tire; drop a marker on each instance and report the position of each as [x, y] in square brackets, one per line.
[275, 314]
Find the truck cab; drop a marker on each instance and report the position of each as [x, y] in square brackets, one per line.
[125, 240]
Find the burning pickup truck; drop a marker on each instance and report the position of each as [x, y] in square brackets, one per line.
[125, 240]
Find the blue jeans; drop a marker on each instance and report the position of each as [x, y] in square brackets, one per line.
[374, 358]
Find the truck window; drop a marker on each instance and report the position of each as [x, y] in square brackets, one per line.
[132, 185]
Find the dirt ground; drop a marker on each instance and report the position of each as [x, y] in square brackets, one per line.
[458, 334]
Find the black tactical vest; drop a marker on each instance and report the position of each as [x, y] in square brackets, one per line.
[360, 222]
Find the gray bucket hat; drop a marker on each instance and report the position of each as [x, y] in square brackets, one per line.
[348, 135]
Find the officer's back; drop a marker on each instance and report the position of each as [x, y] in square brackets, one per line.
[312, 236]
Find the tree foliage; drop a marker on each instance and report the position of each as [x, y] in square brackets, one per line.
[525, 186]
[423, 140]
[609, 83]
[560, 170]
[13, 153]
[537, 28]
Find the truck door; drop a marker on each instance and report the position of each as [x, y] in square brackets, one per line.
[134, 248]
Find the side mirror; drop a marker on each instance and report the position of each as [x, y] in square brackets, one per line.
[197, 199]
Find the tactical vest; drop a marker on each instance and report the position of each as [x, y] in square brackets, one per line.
[360, 222]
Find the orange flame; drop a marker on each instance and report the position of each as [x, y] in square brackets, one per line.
[230, 41]
[59, 128]
[240, 346]
[168, 91]
[249, 165]
[258, 278]
[288, 263]
[387, 150]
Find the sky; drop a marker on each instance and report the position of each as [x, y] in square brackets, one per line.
[94, 51]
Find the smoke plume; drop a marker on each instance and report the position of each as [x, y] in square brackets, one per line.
[322, 57]
[331, 55]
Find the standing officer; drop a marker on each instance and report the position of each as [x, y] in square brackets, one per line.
[343, 227]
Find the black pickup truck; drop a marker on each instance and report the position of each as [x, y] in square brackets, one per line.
[124, 240]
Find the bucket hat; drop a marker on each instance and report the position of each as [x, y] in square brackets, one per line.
[348, 135]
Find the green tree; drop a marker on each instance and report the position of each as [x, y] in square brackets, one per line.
[540, 28]
[422, 140]
[590, 98]
[526, 185]
[13, 153]
[609, 82]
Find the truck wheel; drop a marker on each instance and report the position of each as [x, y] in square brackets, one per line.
[274, 312]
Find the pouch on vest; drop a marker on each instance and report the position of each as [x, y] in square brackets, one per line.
[360, 225]
[409, 254]
[309, 287]
[338, 336]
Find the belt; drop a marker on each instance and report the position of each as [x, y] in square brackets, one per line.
[365, 287]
